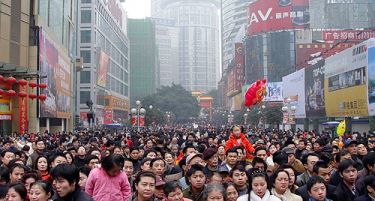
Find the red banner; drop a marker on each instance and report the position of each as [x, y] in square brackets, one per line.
[83, 116]
[134, 121]
[23, 126]
[351, 35]
[273, 15]
[141, 121]
[108, 116]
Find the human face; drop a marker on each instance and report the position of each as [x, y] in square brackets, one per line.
[196, 160]
[128, 168]
[311, 160]
[240, 155]
[28, 182]
[96, 153]
[149, 144]
[118, 151]
[94, 163]
[16, 175]
[42, 164]
[146, 166]
[291, 158]
[349, 175]
[159, 192]
[259, 186]
[318, 192]
[82, 180]
[301, 145]
[197, 180]
[40, 146]
[352, 149]
[63, 187]
[58, 160]
[37, 193]
[232, 193]
[232, 158]
[158, 167]
[151, 155]
[134, 154]
[216, 179]
[292, 177]
[190, 151]
[325, 173]
[12, 195]
[221, 150]
[8, 157]
[146, 187]
[190, 138]
[213, 161]
[262, 154]
[239, 178]
[215, 196]
[281, 182]
[169, 159]
[175, 195]
[174, 149]
[361, 149]
[236, 131]
[69, 158]
[273, 149]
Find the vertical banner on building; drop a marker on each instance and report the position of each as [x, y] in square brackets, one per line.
[314, 98]
[102, 69]
[371, 77]
[345, 83]
[294, 90]
[240, 66]
[108, 116]
[134, 120]
[23, 126]
[142, 121]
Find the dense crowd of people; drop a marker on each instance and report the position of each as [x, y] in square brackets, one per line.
[184, 163]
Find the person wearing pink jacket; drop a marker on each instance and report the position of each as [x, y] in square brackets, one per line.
[109, 182]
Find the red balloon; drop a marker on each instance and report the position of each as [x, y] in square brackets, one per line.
[11, 80]
[22, 82]
[32, 96]
[1, 92]
[255, 93]
[1, 78]
[42, 97]
[42, 85]
[22, 94]
[32, 84]
[11, 93]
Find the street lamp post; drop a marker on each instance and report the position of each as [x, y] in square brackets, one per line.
[245, 118]
[230, 118]
[138, 112]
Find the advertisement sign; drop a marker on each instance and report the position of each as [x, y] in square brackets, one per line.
[23, 126]
[294, 89]
[240, 66]
[314, 83]
[351, 35]
[83, 116]
[274, 15]
[108, 116]
[345, 83]
[102, 69]
[371, 77]
[56, 66]
[274, 91]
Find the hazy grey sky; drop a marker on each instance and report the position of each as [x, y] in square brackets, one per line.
[138, 8]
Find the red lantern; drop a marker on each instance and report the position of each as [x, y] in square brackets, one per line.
[32, 84]
[11, 80]
[11, 93]
[42, 97]
[22, 82]
[32, 96]
[1, 78]
[22, 94]
[42, 85]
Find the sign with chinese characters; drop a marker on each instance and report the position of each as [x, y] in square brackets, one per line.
[351, 35]
[274, 15]
[108, 116]
[5, 117]
[23, 126]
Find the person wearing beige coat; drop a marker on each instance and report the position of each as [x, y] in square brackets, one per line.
[280, 186]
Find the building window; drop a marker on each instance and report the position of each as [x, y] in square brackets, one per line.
[86, 36]
[85, 77]
[84, 96]
[85, 1]
[86, 16]
[86, 55]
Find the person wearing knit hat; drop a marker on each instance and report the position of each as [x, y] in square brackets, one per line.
[212, 161]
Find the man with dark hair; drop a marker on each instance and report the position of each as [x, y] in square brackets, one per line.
[92, 161]
[308, 162]
[259, 164]
[134, 156]
[279, 158]
[346, 190]
[196, 180]
[238, 174]
[321, 169]
[6, 156]
[369, 195]
[65, 178]
[57, 158]
[16, 172]
[301, 148]
[230, 160]
[293, 161]
[188, 149]
[40, 147]
[369, 164]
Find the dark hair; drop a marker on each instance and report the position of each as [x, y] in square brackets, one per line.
[20, 189]
[259, 149]
[312, 181]
[46, 186]
[90, 157]
[85, 170]
[149, 151]
[259, 160]
[133, 149]
[280, 157]
[66, 171]
[169, 187]
[5, 151]
[68, 153]
[231, 150]
[369, 159]
[228, 184]
[187, 146]
[237, 167]
[109, 161]
[212, 187]
[35, 175]
[3, 191]
[157, 159]
[257, 173]
[305, 157]
[346, 164]
[128, 160]
[143, 174]
[4, 174]
[53, 157]
[193, 169]
[370, 181]
[37, 159]
[211, 174]
[16, 165]
[275, 174]
[318, 165]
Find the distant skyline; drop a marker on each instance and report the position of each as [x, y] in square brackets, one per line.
[138, 8]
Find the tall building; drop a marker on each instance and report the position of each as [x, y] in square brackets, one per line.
[233, 18]
[198, 40]
[104, 47]
[143, 58]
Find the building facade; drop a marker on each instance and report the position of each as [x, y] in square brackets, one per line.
[143, 58]
[104, 46]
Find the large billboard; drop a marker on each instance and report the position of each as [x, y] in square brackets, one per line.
[371, 77]
[56, 66]
[345, 83]
[294, 90]
[274, 15]
[274, 92]
[102, 69]
[314, 83]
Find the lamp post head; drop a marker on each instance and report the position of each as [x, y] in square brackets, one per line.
[133, 111]
[245, 115]
[150, 107]
[142, 111]
[284, 109]
[263, 107]
[138, 102]
[293, 108]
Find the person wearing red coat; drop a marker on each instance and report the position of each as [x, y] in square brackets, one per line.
[237, 138]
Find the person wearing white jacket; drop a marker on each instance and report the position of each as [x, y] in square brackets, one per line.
[258, 188]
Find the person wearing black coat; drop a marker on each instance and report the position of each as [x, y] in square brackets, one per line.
[346, 190]
[369, 183]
